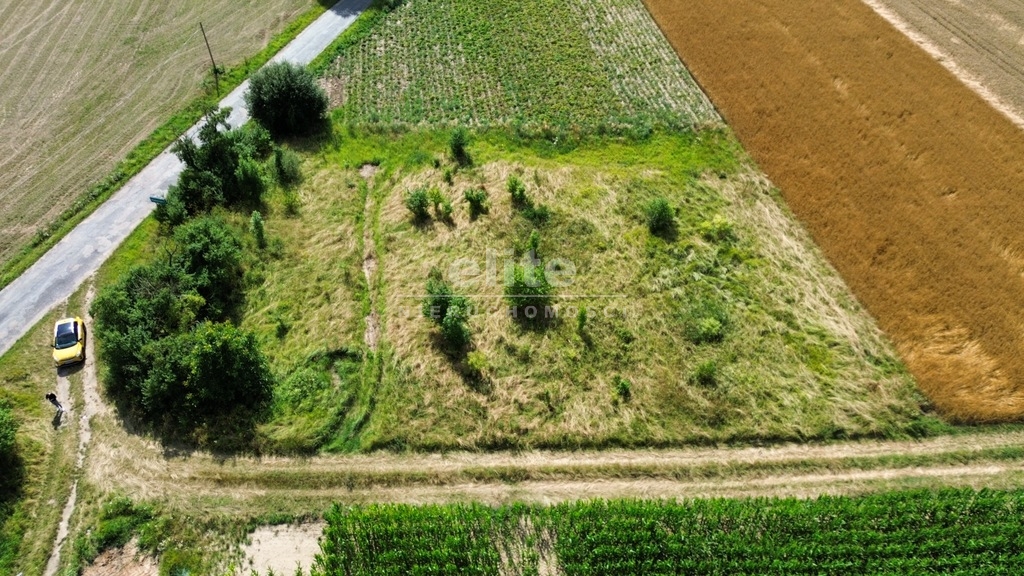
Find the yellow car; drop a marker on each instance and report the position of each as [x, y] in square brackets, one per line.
[68, 341]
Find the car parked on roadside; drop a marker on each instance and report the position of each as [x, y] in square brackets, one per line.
[68, 341]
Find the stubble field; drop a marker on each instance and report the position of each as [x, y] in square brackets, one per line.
[84, 82]
[907, 179]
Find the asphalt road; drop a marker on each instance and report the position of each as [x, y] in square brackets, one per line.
[78, 255]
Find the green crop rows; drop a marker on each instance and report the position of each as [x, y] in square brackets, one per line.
[543, 66]
[945, 532]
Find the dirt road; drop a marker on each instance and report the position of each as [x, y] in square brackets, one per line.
[63, 269]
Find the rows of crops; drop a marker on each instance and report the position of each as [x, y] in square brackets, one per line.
[948, 532]
[541, 66]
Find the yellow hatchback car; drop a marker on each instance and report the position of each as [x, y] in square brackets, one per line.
[68, 341]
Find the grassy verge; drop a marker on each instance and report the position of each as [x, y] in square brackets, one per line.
[148, 149]
[29, 523]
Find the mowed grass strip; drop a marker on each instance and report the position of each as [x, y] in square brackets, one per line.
[544, 67]
[83, 84]
[907, 180]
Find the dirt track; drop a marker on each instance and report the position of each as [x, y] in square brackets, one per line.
[909, 182]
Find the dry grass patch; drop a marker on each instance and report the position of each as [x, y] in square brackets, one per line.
[795, 358]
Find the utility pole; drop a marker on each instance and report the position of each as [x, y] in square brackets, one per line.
[216, 79]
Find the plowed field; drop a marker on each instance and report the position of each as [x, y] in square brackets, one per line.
[909, 182]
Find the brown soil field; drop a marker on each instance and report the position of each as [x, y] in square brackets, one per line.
[82, 83]
[906, 178]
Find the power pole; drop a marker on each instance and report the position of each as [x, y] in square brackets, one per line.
[216, 79]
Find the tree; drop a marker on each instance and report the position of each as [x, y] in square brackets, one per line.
[286, 99]
[220, 169]
[207, 378]
[212, 256]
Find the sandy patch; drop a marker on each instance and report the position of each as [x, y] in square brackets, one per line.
[282, 548]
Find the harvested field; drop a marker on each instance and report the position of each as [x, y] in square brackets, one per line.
[978, 40]
[84, 82]
[906, 178]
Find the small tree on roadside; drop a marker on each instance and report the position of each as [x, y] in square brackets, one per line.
[286, 99]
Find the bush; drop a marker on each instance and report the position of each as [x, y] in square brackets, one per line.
[249, 179]
[706, 374]
[439, 298]
[477, 199]
[256, 226]
[286, 99]
[454, 328]
[8, 431]
[206, 384]
[442, 206]
[517, 190]
[718, 229]
[660, 216]
[418, 202]
[220, 169]
[623, 388]
[534, 244]
[287, 166]
[539, 215]
[457, 146]
[527, 287]
[706, 322]
[212, 256]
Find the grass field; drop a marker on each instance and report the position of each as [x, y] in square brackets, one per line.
[797, 358]
[83, 84]
[911, 191]
[544, 67]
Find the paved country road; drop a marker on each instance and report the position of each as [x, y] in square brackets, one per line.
[79, 254]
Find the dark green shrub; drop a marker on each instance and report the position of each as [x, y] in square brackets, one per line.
[534, 244]
[706, 374]
[581, 320]
[249, 179]
[454, 327]
[439, 298]
[286, 99]
[287, 167]
[258, 232]
[539, 215]
[442, 205]
[517, 190]
[660, 216]
[527, 290]
[418, 202]
[8, 431]
[211, 255]
[478, 201]
[457, 146]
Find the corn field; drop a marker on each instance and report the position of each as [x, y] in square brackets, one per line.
[540, 66]
[943, 532]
